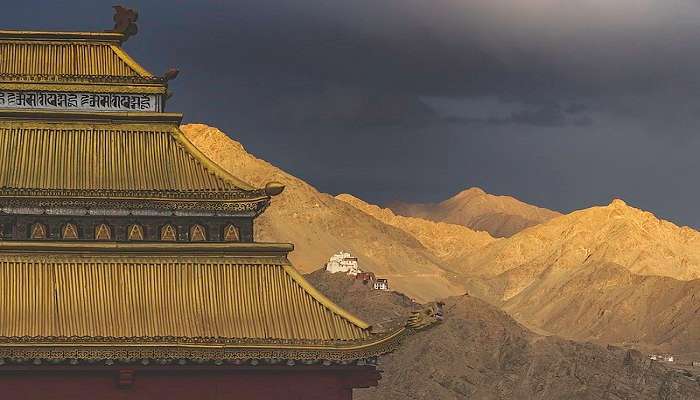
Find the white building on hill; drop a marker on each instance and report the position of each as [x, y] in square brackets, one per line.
[343, 262]
[381, 284]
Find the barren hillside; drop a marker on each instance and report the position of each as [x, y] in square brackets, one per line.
[319, 225]
[501, 216]
[604, 274]
[479, 352]
[449, 242]
[607, 303]
[612, 234]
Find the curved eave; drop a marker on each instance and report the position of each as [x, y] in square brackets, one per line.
[207, 162]
[328, 303]
[141, 71]
[56, 349]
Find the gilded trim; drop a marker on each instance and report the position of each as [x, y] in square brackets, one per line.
[328, 303]
[130, 61]
[43, 349]
[49, 116]
[72, 36]
[207, 162]
[113, 247]
[191, 203]
[92, 87]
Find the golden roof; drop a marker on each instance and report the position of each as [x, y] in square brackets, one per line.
[78, 300]
[72, 61]
[228, 297]
[108, 155]
[66, 58]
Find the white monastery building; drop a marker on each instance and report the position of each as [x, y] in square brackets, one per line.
[343, 262]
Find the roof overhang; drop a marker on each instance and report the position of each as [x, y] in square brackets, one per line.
[86, 116]
[145, 248]
[114, 37]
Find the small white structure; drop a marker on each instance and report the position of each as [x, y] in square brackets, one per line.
[662, 357]
[381, 284]
[343, 262]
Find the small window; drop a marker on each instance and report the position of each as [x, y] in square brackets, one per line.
[103, 232]
[231, 233]
[69, 232]
[168, 233]
[39, 231]
[198, 233]
[135, 232]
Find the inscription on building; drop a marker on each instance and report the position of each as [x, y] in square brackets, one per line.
[80, 101]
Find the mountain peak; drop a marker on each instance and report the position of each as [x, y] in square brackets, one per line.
[472, 191]
[618, 203]
[500, 216]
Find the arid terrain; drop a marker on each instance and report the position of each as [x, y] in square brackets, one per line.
[501, 216]
[613, 274]
[320, 225]
[479, 352]
[610, 274]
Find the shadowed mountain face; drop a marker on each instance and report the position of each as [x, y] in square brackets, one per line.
[320, 225]
[501, 216]
[479, 352]
[609, 304]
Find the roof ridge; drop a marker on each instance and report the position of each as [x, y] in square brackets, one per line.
[325, 301]
[206, 162]
[126, 58]
[19, 34]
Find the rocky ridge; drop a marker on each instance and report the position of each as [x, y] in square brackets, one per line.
[501, 216]
[479, 352]
[320, 225]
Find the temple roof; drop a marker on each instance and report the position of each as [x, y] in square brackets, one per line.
[73, 143]
[77, 61]
[229, 297]
[56, 53]
[108, 155]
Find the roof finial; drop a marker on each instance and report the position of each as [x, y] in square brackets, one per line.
[125, 21]
[171, 74]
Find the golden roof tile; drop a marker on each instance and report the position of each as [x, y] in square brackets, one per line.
[66, 53]
[105, 156]
[243, 295]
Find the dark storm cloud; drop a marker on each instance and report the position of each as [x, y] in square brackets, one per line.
[547, 115]
[560, 103]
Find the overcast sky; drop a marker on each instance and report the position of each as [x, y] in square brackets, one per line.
[564, 104]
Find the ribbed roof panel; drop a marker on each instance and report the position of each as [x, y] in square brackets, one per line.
[73, 156]
[65, 58]
[113, 297]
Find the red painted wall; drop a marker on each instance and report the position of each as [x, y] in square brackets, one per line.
[175, 384]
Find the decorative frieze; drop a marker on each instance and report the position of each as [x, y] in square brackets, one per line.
[49, 100]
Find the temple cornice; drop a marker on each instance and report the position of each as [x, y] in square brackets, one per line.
[110, 37]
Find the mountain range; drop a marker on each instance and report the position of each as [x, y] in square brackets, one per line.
[610, 274]
[320, 225]
[480, 352]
